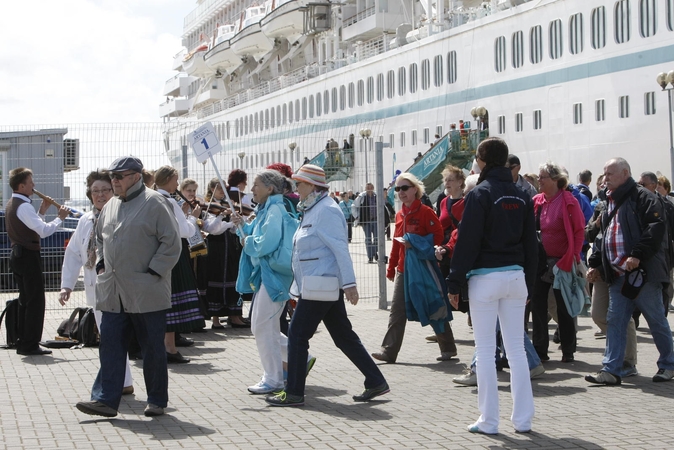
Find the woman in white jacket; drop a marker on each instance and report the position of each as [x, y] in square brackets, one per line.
[320, 251]
[81, 252]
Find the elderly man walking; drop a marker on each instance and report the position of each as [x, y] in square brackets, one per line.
[138, 244]
[630, 257]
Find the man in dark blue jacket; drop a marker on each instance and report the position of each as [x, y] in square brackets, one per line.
[630, 257]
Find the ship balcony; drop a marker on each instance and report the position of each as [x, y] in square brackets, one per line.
[369, 23]
[178, 85]
[213, 92]
[174, 107]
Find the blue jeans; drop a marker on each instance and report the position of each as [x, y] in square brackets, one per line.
[115, 331]
[370, 230]
[532, 357]
[620, 309]
[306, 318]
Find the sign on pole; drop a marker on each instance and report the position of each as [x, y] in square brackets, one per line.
[205, 142]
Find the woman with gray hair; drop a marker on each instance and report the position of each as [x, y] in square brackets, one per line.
[561, 226]
[265, 270]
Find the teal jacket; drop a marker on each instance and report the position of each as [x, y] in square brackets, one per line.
[268, 242]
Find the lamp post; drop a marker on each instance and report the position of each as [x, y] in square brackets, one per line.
[292, 146]
[666, 82]
[241, 156]
[365, 134]
[478, 114]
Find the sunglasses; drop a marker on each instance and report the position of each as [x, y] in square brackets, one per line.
[119, 176]
[403, 188]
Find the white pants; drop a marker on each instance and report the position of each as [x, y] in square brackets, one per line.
[502, 295]
[128, 379]
[272, 345]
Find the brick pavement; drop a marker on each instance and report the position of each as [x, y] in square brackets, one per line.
[210, 408]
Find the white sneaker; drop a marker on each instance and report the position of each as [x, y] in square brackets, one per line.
[663, 375]
[537, 371]
[263, 388]
[467, 379]
[446, 356]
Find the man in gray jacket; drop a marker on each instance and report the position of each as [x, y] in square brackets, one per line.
[137, 244]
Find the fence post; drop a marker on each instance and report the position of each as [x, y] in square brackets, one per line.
[381, 216]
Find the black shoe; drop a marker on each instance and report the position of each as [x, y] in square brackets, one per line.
[238, 325]
[543, 357]
[135, 356]
[555, 337]
[176, 358]
[568, 357]
[369, 394]
[182, 341]
[96, 409]
[35, 352]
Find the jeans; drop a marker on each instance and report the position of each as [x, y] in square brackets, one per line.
[370, 230]
[532, 357]
[115, 331]
[98, 316]
[600, 301]
[500, 296]
[272, 345]
[620, 310]
[308, 315]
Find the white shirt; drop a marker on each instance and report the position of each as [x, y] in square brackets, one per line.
[186, 226]
[27, 214]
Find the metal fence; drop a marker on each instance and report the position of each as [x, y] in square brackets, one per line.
[61, 156]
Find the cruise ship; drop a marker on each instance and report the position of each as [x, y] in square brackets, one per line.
[569, 81]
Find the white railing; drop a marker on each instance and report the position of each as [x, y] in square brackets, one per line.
[197, 13]
[359, 16]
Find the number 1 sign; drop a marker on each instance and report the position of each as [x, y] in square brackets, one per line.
[205, 142]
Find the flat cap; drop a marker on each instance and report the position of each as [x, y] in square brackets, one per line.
[513, 160]
[124, 163]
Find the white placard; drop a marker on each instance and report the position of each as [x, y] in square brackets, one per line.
[205, 142]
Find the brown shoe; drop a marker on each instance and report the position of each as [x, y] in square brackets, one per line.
[128, 390]
[96, 409]
[381, 356]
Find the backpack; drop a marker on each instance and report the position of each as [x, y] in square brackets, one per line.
[11, 312]
[81, 326]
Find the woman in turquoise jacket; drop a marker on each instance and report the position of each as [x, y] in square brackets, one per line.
[265, 269]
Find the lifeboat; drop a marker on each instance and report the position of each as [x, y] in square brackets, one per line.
[250, 40]
[285, 20]
[221, 56]
[194, 63]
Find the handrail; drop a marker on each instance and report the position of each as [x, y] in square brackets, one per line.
[359, 16]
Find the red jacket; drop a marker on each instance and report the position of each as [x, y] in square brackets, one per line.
[418, 219]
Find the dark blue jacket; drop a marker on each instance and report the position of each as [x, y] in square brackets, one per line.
[497, 230]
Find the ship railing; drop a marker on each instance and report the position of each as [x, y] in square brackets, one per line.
[373, 47]
[200, 11]
[359, 16]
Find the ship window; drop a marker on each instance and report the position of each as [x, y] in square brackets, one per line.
[500, 54]
[370, 89]
[624, 107]
[361, 92]
[390, 84]
[577, 113]
[555, 37]
[518, 122]
[297, 110]
[517, 49]
[425, 74]
[285, 112]
[670, 15]
[272, 118]
[342, 98]
[538, 119]
[380, 87]
[334, 99]
[250, 124]
[438, 131]
[451, 67]
[621, 18]
[402, 138]
[576, 33]
[501, 124]
[649, 103]
[304, 107]
[599, 115]
[599, 27]
[413, 78]
[267, 119]
[402, 81]
[414, 137]
[352, 94]
[319, 107]
[326, 102]
[437, 71]
[278, 115]
[647, 18]
[536, 44]
[391, 139]
[427, 135]
[290, 112]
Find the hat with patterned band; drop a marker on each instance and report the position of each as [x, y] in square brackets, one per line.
[311, 174]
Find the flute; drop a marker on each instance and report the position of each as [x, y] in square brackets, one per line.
[73, 212]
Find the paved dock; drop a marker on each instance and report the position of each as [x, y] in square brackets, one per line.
[209, 406]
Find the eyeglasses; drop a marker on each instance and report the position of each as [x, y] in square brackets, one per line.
[543, 177]
[119, 176]
[403, 188]
[101, 191]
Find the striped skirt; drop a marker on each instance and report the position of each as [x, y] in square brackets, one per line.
[186, 312]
